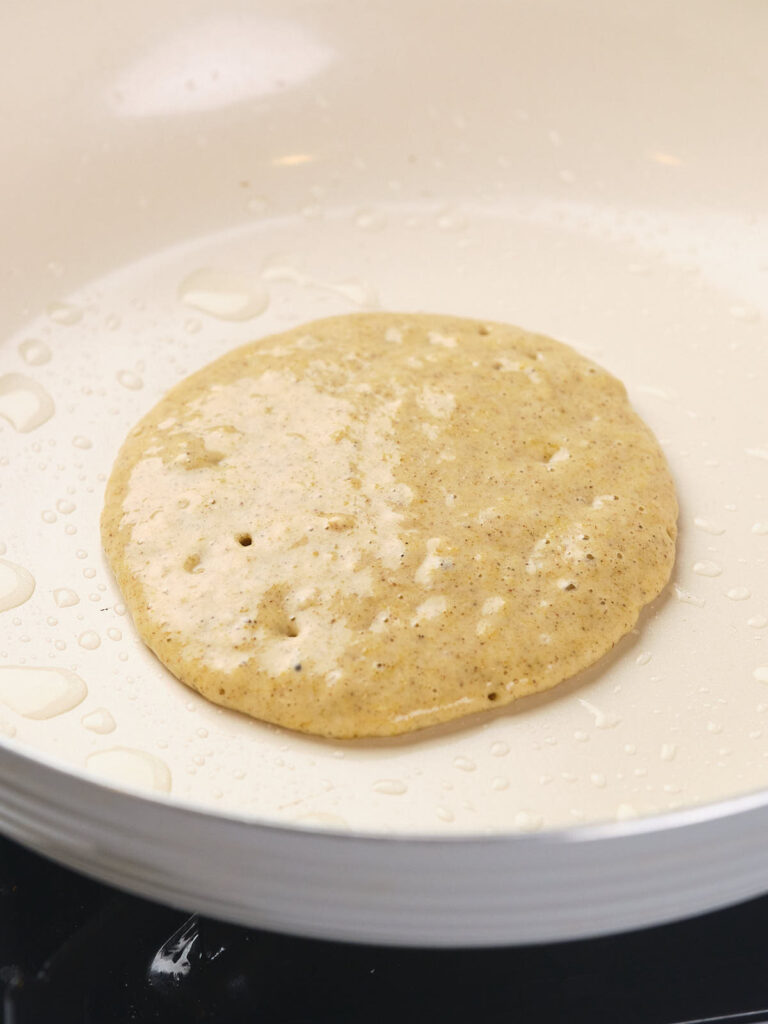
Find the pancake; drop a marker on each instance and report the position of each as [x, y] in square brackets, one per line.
[378, 522]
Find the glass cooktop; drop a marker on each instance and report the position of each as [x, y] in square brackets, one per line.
[72, 950]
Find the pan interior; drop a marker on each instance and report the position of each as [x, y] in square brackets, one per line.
[268, 210]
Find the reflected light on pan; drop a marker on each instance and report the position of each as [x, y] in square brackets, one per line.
[216, 63]
[668, 159]
[293, 159]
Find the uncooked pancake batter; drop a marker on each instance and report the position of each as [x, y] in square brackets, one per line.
[374, 523]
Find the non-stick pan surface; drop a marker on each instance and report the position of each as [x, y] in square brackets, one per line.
[181, 178]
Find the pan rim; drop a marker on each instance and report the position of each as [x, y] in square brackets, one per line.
[651, 824]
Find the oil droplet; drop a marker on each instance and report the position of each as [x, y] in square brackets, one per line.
[40, 692]
[668, 751]
[745, 313]
[130, 767]
[100, 720]
[714, 727]
[63, 313]
[391, 787]
[90, 640]
[707, 526]
[760, 528]
[129, 380]
[603, 719]
[664, 393]
[119, 608]
[114, 634]
[313, 211]
[34, 352]
[226, 296]
[202, 733]
[444, 814]
[499, 749]
[758, 621]
[257, 205]
[7, 729]
[687, 598]
[707, 568]
[644, 658]
[464, 764]
[625, 812]
[738, 594]
[16, 585]
[371, 220]
[358, 292]
[499, 783]
[451, 220]
[65, 598]
[24, 403]
[527, 821]
[65, 506]
[193, 324]
[48, 516]
[598, 779]
[82, 442]
[52, 621]
[761, 674]
[89, 574]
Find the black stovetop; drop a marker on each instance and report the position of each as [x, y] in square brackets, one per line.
[72, 950]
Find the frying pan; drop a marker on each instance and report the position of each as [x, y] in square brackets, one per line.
[179, 178]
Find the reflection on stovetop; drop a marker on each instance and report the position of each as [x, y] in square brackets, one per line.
[72, 950]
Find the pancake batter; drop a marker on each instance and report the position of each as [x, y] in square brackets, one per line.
[378, 522]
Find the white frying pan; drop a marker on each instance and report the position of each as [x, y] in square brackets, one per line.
[180, 177]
